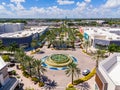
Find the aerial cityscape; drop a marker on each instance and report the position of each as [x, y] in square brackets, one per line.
[59, 45]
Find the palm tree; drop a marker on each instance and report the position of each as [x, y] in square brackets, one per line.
[1, 47]
[86, 44]
[34, 44]
[39, 68]
[12, 47]
[29, 61]
[19, 55]
[98, 55]
[72, 70]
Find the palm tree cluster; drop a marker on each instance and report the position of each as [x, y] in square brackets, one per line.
[62, 37]
[11, 48]
[29, 64]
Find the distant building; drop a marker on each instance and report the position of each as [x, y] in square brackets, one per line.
[108, 74]
[102, 36]
[6, 83]
[11, 27]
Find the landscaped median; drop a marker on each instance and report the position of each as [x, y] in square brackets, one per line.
[85, 78]
[81, 80]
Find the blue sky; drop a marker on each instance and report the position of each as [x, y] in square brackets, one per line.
[59, 8]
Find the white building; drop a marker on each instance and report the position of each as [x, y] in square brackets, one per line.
[6, 83]
[102, 36]
[11, 27]
[108, 73]
[23, 38]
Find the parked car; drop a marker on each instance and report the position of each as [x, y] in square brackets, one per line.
[86, 72]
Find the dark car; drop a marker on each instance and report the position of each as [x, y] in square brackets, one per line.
[86, 72]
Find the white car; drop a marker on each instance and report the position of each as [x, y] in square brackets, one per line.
[86, 72]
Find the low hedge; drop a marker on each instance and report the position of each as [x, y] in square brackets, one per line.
[35, 79]
[71, 88]
[85, 78]
[41, 84]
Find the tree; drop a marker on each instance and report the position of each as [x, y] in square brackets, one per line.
[12, 47]
[29, 65]
[98, 55]
[6, 58]
[34, 44]
[86, 44]
[19, 56]
[39, 68]
[1, 46]
[72, 70]
[112, 48]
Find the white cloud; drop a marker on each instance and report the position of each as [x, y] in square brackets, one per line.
[17, 5]
[83, 4]
[17, 1]
[65, 2]
[87, 1]
[112, 3]
[82, 10]
[3, 3]
[1, 7]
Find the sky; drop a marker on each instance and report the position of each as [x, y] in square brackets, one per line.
[59, 8]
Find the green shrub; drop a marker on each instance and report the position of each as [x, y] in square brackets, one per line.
[26, 74]
[6, 58]
[85, 78]
[41, 84]
[35, 79]
[70, 86]
[13, 72]
[22, 68]
[18, 77]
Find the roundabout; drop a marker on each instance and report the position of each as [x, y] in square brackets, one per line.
[58, 61]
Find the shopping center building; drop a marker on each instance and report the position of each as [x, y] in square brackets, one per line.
[11, 27]
[101, 36]
[108, 73]
[22, 37]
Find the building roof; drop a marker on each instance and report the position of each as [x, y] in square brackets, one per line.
[114, 72]
[24, 33]
[110, 67]
[2, 63]
[10, 84]
[103, 32]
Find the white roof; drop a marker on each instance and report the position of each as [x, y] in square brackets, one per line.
[114, 73]
[102, 31]
[24, 33]
[110, 68]
[2, 63]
